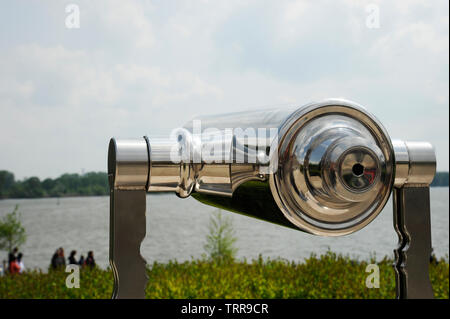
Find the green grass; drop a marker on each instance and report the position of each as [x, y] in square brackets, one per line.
[326, 276]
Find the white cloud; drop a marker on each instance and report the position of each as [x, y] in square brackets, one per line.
[123, 20]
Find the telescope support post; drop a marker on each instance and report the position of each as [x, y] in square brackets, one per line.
[415, 170]
[127, 227]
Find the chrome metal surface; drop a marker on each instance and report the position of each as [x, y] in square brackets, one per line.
[401, 162]
[164, 171]
[127, 227]
[415, 163]
[415, 170]
[336, 168]
[330, 168]
[412, 256]
[208, 164]
[128, 165]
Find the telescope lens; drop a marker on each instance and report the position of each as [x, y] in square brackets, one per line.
[358, 170]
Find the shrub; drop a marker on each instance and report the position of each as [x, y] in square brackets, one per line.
[221, 238]
[327, 276]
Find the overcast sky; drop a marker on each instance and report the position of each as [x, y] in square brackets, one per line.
[145, 67]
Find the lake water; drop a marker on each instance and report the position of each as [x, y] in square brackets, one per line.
[176, 229]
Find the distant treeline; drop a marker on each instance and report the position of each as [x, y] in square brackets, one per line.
[93, 183]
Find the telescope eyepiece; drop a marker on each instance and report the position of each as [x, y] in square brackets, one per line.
[335, 170]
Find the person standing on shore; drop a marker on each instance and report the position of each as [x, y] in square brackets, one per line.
[90, 261]
[61, 260]
[12, 257]
[14, 267]
[81, 262]
[58, 259]
[72, 259]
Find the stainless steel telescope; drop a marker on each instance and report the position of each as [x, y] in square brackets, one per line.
[326, 168]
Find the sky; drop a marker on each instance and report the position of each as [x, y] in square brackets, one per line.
[134, 68]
